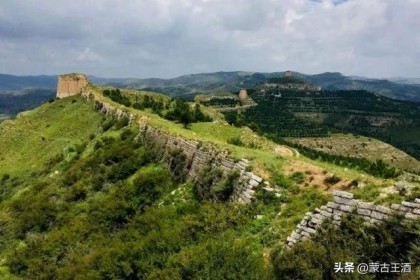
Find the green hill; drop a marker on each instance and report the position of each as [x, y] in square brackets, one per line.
[299, 113]
[83, 196]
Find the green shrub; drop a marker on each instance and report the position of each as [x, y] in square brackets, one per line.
[281, 180]
[5, 177]
[107, 124]
[235, 141]
[332, 180]
[115, 95]
[224, 189]
[298, 177]
[122, 122]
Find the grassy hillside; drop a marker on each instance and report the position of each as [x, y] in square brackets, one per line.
[81, 197]
[297, 113]
[51, 130]
[361, 147]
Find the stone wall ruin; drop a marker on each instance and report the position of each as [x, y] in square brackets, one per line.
[197, 154]
[345, 204]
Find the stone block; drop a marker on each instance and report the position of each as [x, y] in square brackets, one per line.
[324, 208]
[317, 216]
[249, 174]
[343, 194]
[250, 191]
[365, 212]
[410, 204]
[346, 208]
[253, 183]
[416, 211]
[256, 178]
[395, 206]
[247, 195]
[295, 235]
[366, 205]
[331, 204]
[344, 201]
[378, 215]
[412, 216]
[316, 222]
[304, 233]
[405, 209]
[326, 214]
[383, 209]
[309, 230]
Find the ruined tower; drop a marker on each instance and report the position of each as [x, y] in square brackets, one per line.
[288, 74]
[243, 94]
[71, 84]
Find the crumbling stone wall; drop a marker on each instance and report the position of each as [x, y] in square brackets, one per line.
[71, 84]
[197, 155]
[344, 204]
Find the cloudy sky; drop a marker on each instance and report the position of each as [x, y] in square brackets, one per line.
[167, 38]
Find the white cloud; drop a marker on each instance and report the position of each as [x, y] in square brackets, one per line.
[171, 37]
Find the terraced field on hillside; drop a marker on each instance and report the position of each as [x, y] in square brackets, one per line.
[295, 113]
[360, 147]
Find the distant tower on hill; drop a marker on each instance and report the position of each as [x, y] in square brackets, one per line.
[288, 74]
[243, 94]
[71, 84]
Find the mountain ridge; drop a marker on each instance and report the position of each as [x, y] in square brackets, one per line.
[212, 81]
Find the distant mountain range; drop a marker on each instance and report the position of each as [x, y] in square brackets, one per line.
[30, 88]
[233, 81]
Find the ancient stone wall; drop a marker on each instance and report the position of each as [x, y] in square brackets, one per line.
[197, 155]
[201, 155]
[71, 84]
[344, 204]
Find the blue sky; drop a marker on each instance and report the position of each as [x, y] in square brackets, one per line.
[167, 38]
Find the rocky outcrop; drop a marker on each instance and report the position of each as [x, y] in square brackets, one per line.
[196, 155]
[344, 204]
[71, 84]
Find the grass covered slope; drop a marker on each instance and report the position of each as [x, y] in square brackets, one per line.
[100, 204]
[360, 147]
[53, 129]
[115, 212]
